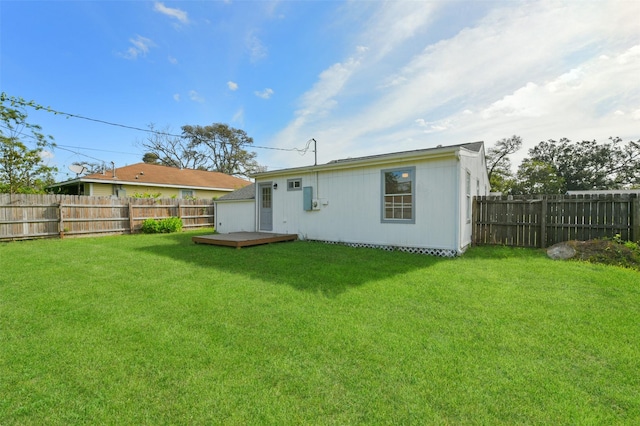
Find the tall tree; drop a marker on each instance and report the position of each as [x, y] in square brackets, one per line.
[171, 150]
[588, 165]
[537, 177]
[499, 164]
[217, 147]
[22, 169]
[223, 148]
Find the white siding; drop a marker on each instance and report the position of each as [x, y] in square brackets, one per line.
[475, 164]
[350, 206]
[235, 216]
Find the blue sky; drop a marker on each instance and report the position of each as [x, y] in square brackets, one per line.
[361, 77]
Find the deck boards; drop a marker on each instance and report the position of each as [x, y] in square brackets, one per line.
[243, 239]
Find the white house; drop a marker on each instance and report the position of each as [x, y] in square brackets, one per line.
[418, 201]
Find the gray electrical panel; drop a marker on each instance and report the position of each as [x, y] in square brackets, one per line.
[307, 198]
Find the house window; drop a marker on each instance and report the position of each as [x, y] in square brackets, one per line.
[186, 193]
[398, 195]
[294, 184]
[467, 189]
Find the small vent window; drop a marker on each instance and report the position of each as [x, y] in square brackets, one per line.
[294, 184]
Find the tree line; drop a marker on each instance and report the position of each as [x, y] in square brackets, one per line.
[558, 166]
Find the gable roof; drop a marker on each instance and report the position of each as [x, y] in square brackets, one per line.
[245, 193]
[155, 175]
[439, 151]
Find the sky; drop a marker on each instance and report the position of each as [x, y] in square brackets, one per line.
[359, 77]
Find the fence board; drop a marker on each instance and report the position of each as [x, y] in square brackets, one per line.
[541, 221]
[24, 216]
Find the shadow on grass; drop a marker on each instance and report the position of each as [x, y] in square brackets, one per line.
[308, 266]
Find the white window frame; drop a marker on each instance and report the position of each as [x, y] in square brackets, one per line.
[384, 203]
[183, 193]
[294, 184]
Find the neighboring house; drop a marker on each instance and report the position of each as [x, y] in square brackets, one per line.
[417, 201]
[151, 179]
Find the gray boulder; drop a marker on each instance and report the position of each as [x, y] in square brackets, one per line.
[561, 251]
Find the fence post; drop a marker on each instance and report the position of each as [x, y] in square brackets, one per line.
[61, 221]
[543, 222]
[635, 212]
[130, 208]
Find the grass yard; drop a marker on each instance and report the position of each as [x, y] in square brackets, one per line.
[152, 329]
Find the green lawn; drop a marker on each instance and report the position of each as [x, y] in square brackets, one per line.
[152, 329]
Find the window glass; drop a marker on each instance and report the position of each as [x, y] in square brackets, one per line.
[294, 184]
[266, 197]
[398, 194]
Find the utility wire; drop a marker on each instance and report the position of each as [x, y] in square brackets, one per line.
[31, 104]
[79, 153]
[97, 149]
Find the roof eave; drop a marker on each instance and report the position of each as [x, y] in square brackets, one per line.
[432, 153]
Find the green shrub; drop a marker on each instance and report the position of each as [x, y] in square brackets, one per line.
[147, 195]
[165, 226]
[171, 224]
[150, 226]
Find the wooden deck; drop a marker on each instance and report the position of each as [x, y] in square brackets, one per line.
[243, 239]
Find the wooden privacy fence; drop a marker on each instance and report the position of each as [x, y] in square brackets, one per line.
[544, 220]
[24, 216]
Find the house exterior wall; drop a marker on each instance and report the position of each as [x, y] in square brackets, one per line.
[350, 206]
[109, 189]
[101, 189]
[474, 165]
[235, 216]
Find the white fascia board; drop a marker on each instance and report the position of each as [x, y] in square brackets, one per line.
[67, 182]
[381, 160]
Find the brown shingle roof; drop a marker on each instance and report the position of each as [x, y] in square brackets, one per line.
[143, 173]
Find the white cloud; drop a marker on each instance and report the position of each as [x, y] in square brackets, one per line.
[264, 94]
[178, 14]
[140, 47]
[322, 97]
[172, 60]
[195, 96]
[537, 69]
[232, 86]
[238, 117]
[176, 97]
[257, 50]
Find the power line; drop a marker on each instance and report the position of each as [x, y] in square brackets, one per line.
[32, 104]
[79, 153]
[97, 149]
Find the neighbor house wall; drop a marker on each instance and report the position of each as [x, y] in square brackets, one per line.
[107, 189]
[101, 189]
[351, 206]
